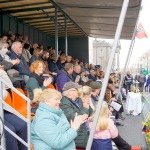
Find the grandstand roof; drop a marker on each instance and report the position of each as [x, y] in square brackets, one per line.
[95, 18]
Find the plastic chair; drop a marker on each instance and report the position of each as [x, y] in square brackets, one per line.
[8, 100]
[56, 86]
[31, 147]
[80, 148]
[51, 86]
[19, 103]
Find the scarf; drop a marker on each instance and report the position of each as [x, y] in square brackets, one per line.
[38, 78]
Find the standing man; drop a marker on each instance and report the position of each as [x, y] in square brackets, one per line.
[141, 79]
[128, 81]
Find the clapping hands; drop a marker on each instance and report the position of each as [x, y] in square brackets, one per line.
[86, 102]
[16, 61]
[1, 67]
[47, 81]
[78, 120]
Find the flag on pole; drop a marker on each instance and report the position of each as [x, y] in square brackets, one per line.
[140, 32]
[145, 71]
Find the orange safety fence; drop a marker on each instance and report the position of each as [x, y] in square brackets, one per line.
[19, 103]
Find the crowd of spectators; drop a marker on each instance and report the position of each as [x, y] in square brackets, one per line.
[63, 117]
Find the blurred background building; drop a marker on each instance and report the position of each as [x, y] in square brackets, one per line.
[101, 54]
[143, 62]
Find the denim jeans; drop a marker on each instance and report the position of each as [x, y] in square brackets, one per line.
[19, 127]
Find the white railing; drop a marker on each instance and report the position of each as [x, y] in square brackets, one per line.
[27, 120]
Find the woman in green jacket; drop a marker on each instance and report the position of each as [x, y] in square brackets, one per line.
[36, 80]
[50, 129]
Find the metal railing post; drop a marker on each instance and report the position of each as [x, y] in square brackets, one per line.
[56, 32]
[2, 115]
[66, 38]
[103, 90]
[27, 120]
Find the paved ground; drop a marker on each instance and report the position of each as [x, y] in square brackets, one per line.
[132, 131]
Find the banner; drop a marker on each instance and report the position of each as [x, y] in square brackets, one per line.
[140, 32]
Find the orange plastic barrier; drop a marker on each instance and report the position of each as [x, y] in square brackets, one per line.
[51, 86]
[19, 103]
[8, 100]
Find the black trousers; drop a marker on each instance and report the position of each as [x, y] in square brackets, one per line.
[121, 143]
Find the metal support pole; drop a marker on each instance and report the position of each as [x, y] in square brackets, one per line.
[103, 90]
[126, 64]
[2, 115]
[1, 21]
[66, 39]
[56, 33]
[17, 26]
[118, 62]
[129, 55]
[23, 28]
[9, 20]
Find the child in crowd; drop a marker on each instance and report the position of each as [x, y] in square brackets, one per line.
[106, 132]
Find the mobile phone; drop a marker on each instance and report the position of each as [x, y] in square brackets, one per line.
[77, 77]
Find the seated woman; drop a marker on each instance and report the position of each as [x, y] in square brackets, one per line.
[26, 52]
[106, 131]
[114, 93]
[85, 94]
[36, 80]
[36, 55]
[50, 128]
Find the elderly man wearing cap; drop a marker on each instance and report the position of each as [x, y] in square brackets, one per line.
[72, 104]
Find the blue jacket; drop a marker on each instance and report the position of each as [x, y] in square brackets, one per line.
[60, 65]
[148, 81]
[62, 78]
[22, 67]
[52, 67]
[32, 59]
[50, 130]
[92, 77]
